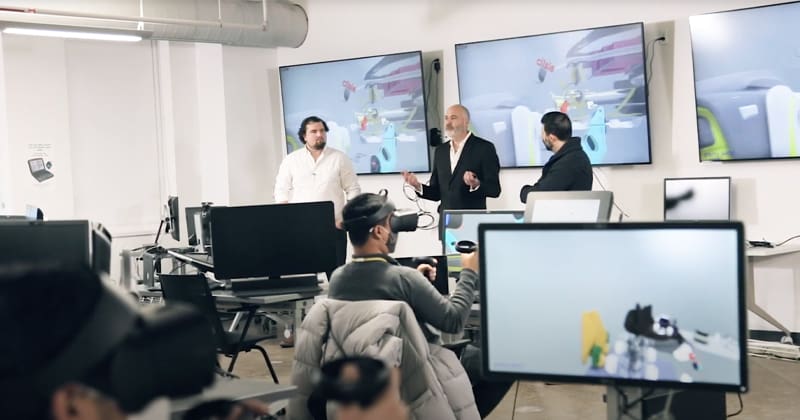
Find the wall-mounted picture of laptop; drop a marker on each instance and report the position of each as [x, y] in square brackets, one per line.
[438, 261]
[568, 206]
[697, 198]
[462, 225]
[38, 169]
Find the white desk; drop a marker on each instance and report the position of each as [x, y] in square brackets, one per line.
[236, 390]
[762, 253]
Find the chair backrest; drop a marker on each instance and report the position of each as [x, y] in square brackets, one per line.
[193, 289]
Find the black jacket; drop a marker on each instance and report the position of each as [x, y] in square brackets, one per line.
[478, 156]
[567, 170]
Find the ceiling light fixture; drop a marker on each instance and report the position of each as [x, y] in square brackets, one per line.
[60, 33]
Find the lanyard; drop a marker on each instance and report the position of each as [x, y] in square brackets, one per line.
[369, 259]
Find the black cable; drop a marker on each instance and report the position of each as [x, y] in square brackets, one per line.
[514, 407]
[614, 202]
[787, 240]
[414, 198]
[741, 406]
[649, 69]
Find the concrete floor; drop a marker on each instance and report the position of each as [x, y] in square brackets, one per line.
[774, 391]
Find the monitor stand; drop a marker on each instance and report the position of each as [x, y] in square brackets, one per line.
[683, 404]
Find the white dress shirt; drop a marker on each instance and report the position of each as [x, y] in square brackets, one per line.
[456, 154]
[301, 179]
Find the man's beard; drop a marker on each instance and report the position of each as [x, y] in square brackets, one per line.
[548, 146]
[318, 145]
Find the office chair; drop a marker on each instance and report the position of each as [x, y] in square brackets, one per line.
[193, 289]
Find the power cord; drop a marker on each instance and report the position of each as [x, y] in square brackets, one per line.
[741, 406]
[614, 202]
[650, 55]
[787, 240]
[421, 212]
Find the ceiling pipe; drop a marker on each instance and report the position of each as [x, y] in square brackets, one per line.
[288, 26]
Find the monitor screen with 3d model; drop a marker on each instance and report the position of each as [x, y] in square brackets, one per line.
[629, 304]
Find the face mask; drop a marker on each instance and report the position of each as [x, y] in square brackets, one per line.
[392, 242]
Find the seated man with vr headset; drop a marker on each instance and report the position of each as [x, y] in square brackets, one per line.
[373, 224]
[74, 347]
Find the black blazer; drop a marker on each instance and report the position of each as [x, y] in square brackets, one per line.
[478, 156]
[567, 170]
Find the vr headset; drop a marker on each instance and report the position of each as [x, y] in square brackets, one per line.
[330, 385]
[403, 220]
[132, 356]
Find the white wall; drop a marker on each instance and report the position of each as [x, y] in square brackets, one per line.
[762, 190]
[224, 115]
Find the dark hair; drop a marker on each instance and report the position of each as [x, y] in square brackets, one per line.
[362, 205]
[310, 120]
[68, 296]
[557, 124]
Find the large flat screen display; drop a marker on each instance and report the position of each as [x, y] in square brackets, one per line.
[747, 83]
[641, 304]
[374, 108]
[596, 76]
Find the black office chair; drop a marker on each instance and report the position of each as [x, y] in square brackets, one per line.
[193, 289]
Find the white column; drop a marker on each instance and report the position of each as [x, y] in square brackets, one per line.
[212, 123]
[5, 160]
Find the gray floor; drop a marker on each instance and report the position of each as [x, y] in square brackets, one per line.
[774, 394]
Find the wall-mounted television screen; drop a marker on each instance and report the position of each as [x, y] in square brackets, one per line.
[633, 310]
[374, 108]
[596, 76]
[747, 83]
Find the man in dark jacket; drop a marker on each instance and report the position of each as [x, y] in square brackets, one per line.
[569, 169]
[466, 169]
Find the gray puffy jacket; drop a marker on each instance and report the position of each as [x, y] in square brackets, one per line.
[433, 381]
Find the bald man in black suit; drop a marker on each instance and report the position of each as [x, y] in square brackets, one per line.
[466, 169]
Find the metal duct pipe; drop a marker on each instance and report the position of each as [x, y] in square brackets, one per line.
[239, 22]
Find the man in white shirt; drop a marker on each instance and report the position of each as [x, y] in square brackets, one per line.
[317, 173]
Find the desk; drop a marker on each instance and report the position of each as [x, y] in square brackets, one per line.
[234, 389]
[763, 253]
[302, 300]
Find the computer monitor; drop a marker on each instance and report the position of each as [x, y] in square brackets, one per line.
[697, 198]
[37, 242]
[33, 212]
[568, 206]
[438, 261]
[193, 221]
[627, 304]
[101, 249]
[273, 240]
[173, 218]
[462, 225]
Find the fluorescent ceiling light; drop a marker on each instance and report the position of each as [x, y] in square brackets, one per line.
[57, 33]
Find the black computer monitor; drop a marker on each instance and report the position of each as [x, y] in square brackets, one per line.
[173, 218]
[697, 198]
[39, 242]
[101, 249]
[630, 304]
[461, 225]
[438, 261]
[273, 240]
[192, 222]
